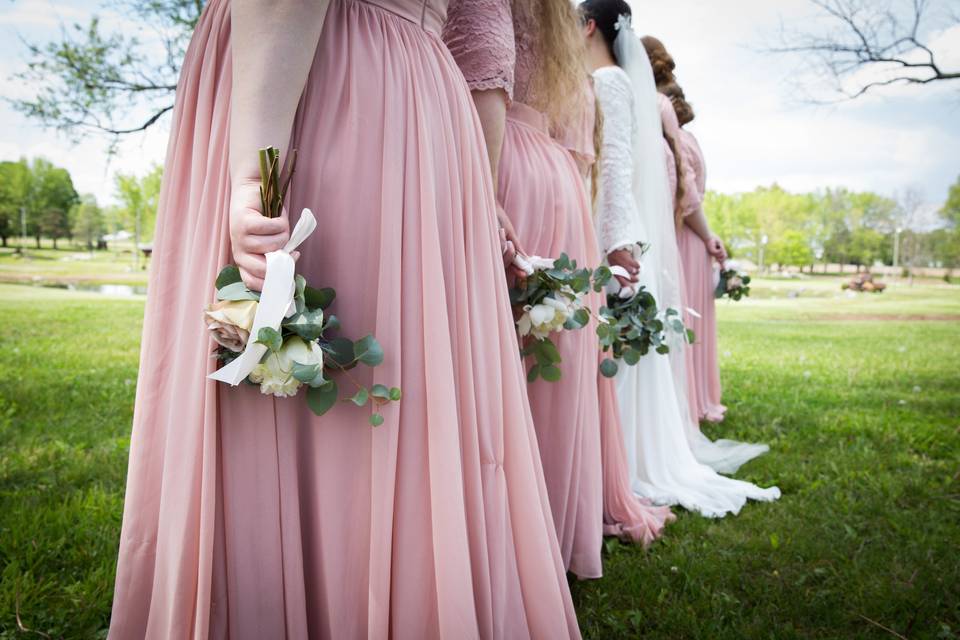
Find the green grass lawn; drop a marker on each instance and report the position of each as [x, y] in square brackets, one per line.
[859, 398]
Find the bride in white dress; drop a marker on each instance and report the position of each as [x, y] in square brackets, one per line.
[633, 203]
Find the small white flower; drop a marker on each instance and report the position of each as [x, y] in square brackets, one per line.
[902, 349]
[540, 264]
[902, 402]
[916, 389]
[275, 373]
[807, 374]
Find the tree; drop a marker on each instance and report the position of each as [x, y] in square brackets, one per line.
[139, 197]
[793, 248]
[49, 199]
[873, 43]
[115, 81]
[86, 220]
[951, 208]
[14, 192]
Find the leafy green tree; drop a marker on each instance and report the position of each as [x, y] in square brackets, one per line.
[114, 81]
[50, 196]
[792, 248]
[951, 208]
[87, 222]
[139, 197]
[14, 191]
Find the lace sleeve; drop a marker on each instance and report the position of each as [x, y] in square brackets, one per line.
[616, 206]
[479, 34]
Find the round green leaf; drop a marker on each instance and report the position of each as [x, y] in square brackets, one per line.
[608, 368]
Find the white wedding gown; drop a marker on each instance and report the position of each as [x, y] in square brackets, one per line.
[633, 202]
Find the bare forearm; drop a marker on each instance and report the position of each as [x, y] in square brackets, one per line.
[697, 222]
[273, 44]
[492, 108]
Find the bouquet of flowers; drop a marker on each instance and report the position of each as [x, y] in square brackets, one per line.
[732, 282]
[279, 338]
[631, 327]
[549, 300]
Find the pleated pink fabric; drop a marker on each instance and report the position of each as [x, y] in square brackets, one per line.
[248, 517]
[542, 193]
[625, 515]
[698, 274]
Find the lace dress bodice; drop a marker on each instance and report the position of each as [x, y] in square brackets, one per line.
[616, 204]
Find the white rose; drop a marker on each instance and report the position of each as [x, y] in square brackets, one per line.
[734, 283]
[275, 373]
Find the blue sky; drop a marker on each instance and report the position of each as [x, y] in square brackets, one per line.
[752, 123]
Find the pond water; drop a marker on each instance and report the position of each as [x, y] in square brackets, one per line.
[121, 290]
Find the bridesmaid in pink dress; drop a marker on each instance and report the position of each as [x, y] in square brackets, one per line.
[249, 517]
[698, 267]
[686, 201]
[499, 46]
[625, 515]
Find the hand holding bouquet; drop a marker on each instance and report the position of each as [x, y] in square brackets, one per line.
[732, 282]
[279, 338]
[549, 300]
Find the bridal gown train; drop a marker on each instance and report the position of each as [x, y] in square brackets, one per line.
[633, 189]
[247, 516]
[700, 359]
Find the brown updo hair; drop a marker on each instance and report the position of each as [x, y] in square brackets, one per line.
[661, 61]
[682, 108]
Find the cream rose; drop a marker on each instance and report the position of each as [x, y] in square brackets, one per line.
[275, 373]
[230, 321]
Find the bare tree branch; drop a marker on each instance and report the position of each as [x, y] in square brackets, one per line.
[865, 44]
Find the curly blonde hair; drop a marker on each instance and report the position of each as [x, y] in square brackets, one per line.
[559, 80]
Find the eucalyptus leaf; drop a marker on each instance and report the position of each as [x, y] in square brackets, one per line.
[368, 351]
[376, 420]
[237, 291]
[395, 394]
[227, 276]
[380, 391]
[318, 298]
[321, 398]
[550, 373]
[533, 373]
[340, 350]
[361, 397]
[308, 373]
[608, 368]
[271, 338]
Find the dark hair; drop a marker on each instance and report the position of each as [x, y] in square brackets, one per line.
[605, 13]
[683, 109]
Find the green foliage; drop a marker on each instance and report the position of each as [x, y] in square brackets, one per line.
[139, 197]
[117, 80]
[630, 328]
[43, 191]
[86, 222]
[792, 247]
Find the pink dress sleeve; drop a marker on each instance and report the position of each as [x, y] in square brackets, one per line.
[696, 159]
[480, 35]
[692, 200]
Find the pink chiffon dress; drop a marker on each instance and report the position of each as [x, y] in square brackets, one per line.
[625, 515]
[247, 516]
[686, 203]
[541, 192]
[698, 266]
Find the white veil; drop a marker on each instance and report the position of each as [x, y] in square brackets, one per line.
[651, 191]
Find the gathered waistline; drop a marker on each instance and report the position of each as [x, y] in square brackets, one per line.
[525, 114]
[425, 16]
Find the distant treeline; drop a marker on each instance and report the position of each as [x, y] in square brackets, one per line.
[38, 200]
[771, 226]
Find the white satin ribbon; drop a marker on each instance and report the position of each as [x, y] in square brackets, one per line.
[276, 302]
[627, 292]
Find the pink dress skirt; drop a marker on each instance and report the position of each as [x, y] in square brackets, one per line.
[698, 281]
[542, 193]
[247, 516]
